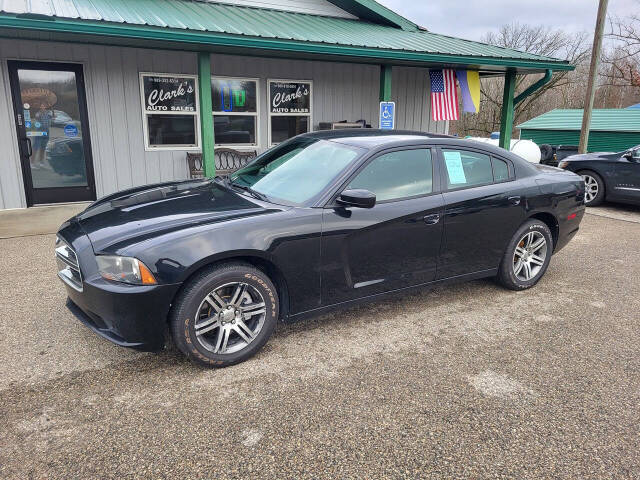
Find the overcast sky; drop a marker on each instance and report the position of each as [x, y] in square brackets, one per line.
[473, 18]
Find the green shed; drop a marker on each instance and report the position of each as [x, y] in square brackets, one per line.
[612, 129]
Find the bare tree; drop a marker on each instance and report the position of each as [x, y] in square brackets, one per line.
[560, 92]
[620, 76]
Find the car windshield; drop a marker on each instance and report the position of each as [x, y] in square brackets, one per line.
[296, 171]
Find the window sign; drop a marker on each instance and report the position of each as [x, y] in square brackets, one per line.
[289, 97]
[453, 161]
[169, 94]
[290, 109]
[235, 111]
[170, 111]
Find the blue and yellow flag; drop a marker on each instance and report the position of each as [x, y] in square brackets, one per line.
[469, 81]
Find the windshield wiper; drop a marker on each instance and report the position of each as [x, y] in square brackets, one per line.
[251, 191]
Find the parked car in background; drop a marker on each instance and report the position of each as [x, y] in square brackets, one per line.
[66, 155]
[321, 221]
[554, 154]
[608, 176]
[60, 118]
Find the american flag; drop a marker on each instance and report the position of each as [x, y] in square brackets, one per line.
[444, 96]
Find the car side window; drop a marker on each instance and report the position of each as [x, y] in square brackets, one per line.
[396, 175]
[467, 169]
[500, 170]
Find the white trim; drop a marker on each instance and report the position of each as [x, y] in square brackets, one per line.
[310, 114]
[256, 114]
[145, 114]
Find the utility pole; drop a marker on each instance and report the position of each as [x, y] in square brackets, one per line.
[593, 76]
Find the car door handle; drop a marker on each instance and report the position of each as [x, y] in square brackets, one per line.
[432, 219]
[515, 200]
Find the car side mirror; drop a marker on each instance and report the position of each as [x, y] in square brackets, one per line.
[632, 155]
[357, 198]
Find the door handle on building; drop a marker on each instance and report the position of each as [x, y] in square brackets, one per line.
[28, 149]
[432, 219]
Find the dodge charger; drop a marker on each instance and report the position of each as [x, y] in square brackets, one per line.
[318, 222]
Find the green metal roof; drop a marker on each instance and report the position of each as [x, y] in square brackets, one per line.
[375, 12]
[238, 26]
[607, 120]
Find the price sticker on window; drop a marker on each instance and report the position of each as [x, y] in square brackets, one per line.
[453, 161]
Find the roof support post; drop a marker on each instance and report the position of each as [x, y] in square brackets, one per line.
[506, 119]
[206, 114]
[385, 83]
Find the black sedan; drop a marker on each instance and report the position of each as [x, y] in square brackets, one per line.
[608, 176]
[322, 220]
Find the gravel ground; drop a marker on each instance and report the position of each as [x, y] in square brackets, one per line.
[468, 381]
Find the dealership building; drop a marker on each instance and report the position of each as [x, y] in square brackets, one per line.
[100, 96]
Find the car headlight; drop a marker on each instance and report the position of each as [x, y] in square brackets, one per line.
[563, 164]
[124, 269]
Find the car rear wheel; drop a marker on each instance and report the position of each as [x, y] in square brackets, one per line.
[593, 188]
[224, 315]
[527, 256]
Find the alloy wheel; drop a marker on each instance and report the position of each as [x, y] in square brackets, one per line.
[230, 318]
[591, 188]
[529, 256]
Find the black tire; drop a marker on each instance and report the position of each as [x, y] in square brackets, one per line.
[507, 276]
[546, 153]
[189, 304]
[599, 198]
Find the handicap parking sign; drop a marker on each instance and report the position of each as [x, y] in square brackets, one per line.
[387, 115]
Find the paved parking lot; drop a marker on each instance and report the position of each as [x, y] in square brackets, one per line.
[465, 381]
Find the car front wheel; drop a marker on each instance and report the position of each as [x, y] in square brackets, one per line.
[593, 188]
[224, 315]
[527, 256]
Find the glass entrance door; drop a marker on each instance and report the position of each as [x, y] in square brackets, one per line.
[53, 136]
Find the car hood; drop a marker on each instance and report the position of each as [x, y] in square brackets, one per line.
[593, 156]
[134, 215]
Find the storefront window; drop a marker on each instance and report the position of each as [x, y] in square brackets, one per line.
[235, 111]
[290, 109]
[170, 110]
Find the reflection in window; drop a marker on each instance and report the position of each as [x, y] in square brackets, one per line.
[297, 170]
[283, 128]
[500, 170]
[396, 175]
[170, 130]
[235, 111]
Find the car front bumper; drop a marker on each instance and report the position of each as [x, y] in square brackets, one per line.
[127, 315]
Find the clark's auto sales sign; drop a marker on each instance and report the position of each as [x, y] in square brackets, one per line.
[169, 94]
[290, 97]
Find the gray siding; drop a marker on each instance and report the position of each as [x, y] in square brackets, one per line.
[341, 91]
[411, 90]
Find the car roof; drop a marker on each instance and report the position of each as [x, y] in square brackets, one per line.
[374, 139]
[371, 138]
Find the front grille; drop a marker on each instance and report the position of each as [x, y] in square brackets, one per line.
[68, 266]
